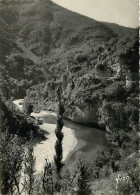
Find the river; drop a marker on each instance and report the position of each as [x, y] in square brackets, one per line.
[78, 140]
[90, 140]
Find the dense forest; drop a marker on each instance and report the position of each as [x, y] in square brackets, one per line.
[44, 46]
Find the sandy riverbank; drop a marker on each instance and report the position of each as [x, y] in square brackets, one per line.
[45, 149]
[79, 140]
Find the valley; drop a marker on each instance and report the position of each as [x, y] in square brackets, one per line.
[45, 47]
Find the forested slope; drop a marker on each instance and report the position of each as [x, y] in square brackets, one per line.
[43, 45]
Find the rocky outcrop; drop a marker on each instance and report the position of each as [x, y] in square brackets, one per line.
[88, 114]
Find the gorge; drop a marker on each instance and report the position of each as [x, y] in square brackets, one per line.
[44, 46]
[76, 140]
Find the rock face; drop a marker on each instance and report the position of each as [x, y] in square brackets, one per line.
[93, 116]
[87, 114]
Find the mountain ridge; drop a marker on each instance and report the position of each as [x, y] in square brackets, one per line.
[72, 47]
[96, 64]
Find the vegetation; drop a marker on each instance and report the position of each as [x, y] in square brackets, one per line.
[97, 66]
[29, 170]
[15, 132]
[27, 108]
[59, 134]
[48, 178]
[18, 123]
[83, 179]
[12, 158]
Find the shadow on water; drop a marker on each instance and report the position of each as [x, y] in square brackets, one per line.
[90, 140]
[37, 141]
[92, 136]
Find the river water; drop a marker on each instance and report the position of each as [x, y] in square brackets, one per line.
[79, 140]
[89, 141]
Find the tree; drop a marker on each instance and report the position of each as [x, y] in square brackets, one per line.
[58, 145]
[29, 170]
[83, 179]
[12, 158]
[129, 61]
[59, 134]
[48, 180]
[27, 107]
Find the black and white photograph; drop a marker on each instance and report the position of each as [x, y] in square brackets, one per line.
[69, 97]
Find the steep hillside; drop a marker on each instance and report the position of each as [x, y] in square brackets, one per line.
[52, 45]
[43, 46]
